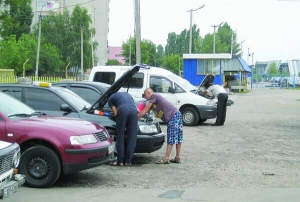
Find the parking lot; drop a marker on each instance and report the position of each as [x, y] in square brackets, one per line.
[256, 149]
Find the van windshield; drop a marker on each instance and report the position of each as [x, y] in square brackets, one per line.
[183, 83]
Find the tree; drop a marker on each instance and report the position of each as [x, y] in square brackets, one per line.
[273, 68]
[17, 19]
[172, 62]
[148, 50]
[13, 54]
[64, 31]
[112, 62]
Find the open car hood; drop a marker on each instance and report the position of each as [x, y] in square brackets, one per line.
[115, 87]
[209, 78]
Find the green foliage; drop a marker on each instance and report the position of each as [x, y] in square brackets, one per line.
[16, 20]
[112, 62]
[148, 52]
[13, 54]
[273, 68]
[64, 31]
[173, 63]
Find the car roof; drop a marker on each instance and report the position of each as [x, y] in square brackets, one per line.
[89, 83]
[29, 86]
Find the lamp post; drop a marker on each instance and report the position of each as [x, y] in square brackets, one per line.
[232, 33]
[242, 48]
[214, 26]
[252, 59]
[39, 40]
[191, 10]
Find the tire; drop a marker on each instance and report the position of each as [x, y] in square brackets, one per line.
[190, 116]
[41, 166]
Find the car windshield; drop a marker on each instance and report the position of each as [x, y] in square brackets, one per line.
[11, 106]
[183, 83]
[73, 98]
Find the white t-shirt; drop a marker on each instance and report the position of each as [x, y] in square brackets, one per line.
[215, 90]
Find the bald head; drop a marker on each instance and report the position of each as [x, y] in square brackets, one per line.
[148, 93]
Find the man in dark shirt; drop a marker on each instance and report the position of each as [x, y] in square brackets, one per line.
[126, 114]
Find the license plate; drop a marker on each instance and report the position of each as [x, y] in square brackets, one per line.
[111, 148]
[10, 189]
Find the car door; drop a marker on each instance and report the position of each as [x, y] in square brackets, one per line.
[161, 85]
[44, 100]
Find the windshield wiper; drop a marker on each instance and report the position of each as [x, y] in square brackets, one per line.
[38, 114]
[20, 115]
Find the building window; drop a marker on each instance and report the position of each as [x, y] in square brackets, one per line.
[208, 66]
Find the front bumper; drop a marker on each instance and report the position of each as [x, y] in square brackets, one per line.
[12, 186]
[207, 112]
[149, 143]
[94, 157]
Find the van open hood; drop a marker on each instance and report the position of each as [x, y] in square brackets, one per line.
[209, 78]
[115, 87]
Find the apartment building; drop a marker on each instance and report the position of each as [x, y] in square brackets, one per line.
[99, 10]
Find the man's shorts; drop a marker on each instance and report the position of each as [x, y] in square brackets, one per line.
[175, 129]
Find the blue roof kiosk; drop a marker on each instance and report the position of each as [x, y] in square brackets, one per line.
[197, 66]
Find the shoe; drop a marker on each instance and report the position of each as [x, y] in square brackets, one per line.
[116, 163]
[162, 161]
[175, 160]
[127, 164]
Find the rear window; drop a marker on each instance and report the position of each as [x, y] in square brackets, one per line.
[105, 77]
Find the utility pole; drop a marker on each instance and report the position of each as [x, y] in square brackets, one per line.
[191, 11]
[242, 48]
[232, 33]
[137, 31]
[214, 26]
[248, 57]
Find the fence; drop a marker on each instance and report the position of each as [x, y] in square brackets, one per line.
[14, 79]
[275, 80]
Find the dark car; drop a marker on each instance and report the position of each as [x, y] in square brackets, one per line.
[51, 145]
[55, 100]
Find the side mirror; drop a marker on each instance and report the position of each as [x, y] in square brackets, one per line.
[65, 108]
[171, 90]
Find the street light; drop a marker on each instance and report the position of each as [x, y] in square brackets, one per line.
[242, 48]
[214, 26]
[39, 40]
[191, 10]
[252, 59]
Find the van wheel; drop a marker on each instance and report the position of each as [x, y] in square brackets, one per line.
[41, 166]
[190, 116]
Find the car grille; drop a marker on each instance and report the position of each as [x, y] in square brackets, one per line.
[101, 136]
[6, 162]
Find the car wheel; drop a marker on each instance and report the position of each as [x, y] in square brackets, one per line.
[190, 116]
[41, 166]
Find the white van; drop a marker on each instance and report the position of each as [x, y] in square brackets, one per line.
[194, 108]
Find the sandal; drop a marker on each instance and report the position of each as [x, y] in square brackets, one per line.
[116, 163]
[175, 160]
[162, 161]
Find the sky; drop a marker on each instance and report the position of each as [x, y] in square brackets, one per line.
[270, 29]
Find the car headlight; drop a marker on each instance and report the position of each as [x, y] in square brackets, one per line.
[149, 128]
[83, 139]
[16, 158]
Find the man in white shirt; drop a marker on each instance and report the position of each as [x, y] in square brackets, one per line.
[217, 91]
